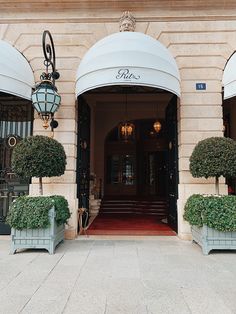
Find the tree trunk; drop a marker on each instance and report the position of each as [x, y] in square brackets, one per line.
[217, 186]
[40, 186]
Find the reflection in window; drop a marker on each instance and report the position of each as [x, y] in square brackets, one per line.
[120, 169]
[128, 170]
[152, 169]
[113, 169]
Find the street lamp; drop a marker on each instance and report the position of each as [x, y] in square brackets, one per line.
[45, 98]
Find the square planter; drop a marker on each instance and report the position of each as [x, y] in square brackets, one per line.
[211, 239]
[42, 238]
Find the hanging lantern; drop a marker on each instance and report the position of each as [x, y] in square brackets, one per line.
[126, 129]
[46, 101]
[157, 126]
[45, 98]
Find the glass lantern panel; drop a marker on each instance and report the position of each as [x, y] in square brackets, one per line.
[49, 107]
[34, 98]
[54, 108]
[36, 107]
[57, 100]
[42, 106]
[50, 97]
[41, 96]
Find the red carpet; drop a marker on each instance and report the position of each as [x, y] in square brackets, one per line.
[128, 224]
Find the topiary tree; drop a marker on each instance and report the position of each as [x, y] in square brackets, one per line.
[214, 157]
[39, 156]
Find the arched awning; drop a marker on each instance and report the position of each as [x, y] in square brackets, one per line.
[229, 78]
[16, 75]
[128, 58]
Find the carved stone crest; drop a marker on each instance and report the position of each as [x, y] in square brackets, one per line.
[127, 22]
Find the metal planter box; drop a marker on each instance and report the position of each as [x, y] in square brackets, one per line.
[211, 239]
[42, 238]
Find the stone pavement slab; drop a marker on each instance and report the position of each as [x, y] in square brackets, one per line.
[126, 275]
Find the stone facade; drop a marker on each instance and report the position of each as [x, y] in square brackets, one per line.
[201, 38]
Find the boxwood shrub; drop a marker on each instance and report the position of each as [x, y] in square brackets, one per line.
[39, 156]
[217, 212]
[32, 212]
[214, 157]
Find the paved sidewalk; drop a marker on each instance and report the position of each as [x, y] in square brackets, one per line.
[127, 275]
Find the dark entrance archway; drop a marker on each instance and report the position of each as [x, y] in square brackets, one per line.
[144, 169]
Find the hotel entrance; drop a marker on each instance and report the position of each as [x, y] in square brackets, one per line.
[132, 177]
[127, 87]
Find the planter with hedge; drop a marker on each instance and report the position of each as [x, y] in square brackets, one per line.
[213, 217]
[213, 221]
[38, 222]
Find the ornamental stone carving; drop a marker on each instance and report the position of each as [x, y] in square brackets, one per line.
[127, 22]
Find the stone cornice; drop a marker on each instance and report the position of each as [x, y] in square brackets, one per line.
[71, 18]
[116, 4]
[84, 11]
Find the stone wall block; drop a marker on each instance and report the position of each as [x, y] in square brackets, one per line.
[191, 111]
[191, 62]
[200, 124]
[66, 137]
[66, 112]
[201, 99]
[191, 137]
[201, 73]
[185, 150]
[185, 177]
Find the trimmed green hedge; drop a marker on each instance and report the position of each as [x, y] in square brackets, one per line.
[217, 212]
[214, 157]
[32, 212]
[39, 156]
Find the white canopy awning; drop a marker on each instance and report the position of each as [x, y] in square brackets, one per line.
[16, 75]
[128, 58]
[229, 78]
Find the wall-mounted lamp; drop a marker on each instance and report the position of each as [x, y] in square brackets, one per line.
[45, 98]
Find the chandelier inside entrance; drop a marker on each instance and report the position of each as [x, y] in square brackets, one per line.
[157, 124]
[126, 128]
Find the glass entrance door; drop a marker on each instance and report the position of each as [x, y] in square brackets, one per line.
[121, 174]
[152, 180]
[15, 123]
[171, 120]
[83, 160]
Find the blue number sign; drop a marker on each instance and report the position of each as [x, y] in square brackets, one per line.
[200, 86]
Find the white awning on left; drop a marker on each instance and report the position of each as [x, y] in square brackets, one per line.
[229, 78]
[16, 75]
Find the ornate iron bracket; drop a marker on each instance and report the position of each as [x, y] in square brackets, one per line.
[50, 59]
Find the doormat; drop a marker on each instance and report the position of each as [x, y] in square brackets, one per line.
[129, 224]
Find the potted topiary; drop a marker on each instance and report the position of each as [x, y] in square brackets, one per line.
[38, 222]
[213, 217]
